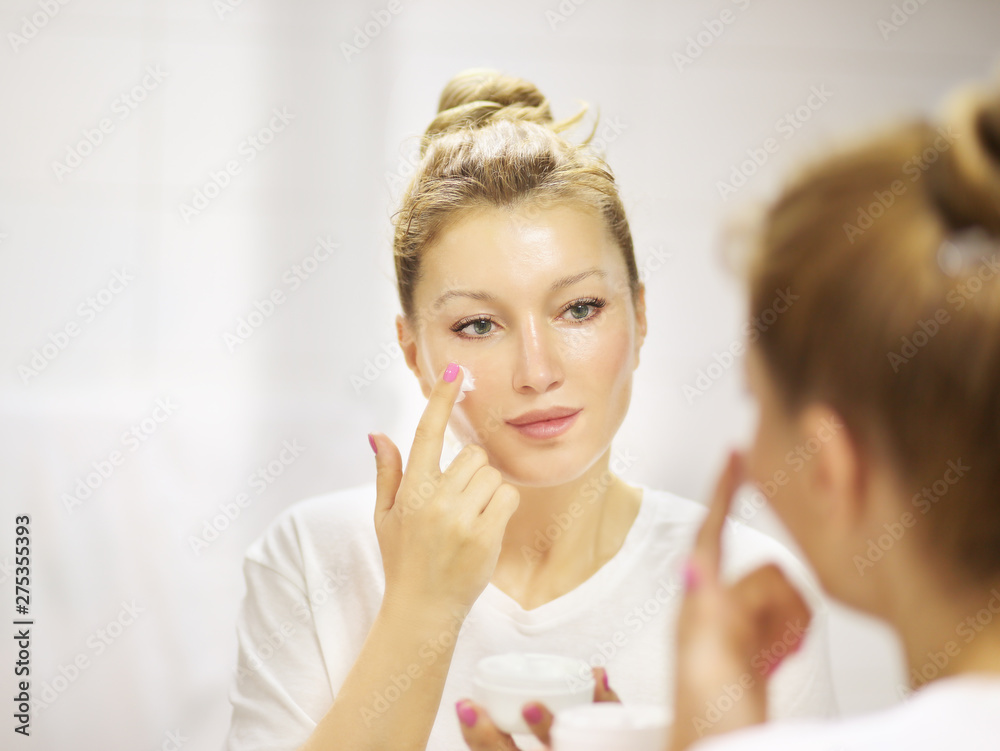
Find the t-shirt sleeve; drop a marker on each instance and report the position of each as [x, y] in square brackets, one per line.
[281, 689]
[790, 736]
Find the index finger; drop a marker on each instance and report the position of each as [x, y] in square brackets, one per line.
[708, 543]
[428, 440]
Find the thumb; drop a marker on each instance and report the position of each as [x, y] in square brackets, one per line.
[603, 691]
[389, 472]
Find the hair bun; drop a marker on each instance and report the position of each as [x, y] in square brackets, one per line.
[477, 96]
[966, 183]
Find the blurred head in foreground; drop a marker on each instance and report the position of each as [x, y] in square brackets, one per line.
[878, 370]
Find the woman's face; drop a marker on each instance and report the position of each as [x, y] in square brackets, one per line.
[536, 304]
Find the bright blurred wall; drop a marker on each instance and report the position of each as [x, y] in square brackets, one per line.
[170, 169]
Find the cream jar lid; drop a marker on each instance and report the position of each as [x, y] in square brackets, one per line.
[534, 672]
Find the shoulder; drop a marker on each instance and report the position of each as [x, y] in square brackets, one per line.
[957, 712]
[320, 527]
[676, 520]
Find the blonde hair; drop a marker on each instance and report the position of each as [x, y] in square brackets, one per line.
[893, 249]
[494, 144]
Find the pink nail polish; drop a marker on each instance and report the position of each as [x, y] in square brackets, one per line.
[532, 714]
[691, 576]
[450, 372]
[606, 686]
[465, 713]
[371, 442]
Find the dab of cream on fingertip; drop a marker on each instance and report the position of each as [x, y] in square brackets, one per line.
[468, 383]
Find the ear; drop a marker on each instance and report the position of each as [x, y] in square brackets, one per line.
[408, 343]
[640, 321]
[836, 471]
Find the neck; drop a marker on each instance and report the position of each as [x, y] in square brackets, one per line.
[947, 627]
[562, 534]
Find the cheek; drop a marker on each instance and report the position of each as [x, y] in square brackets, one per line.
[765, 461]
[478, 415]
[602, 353]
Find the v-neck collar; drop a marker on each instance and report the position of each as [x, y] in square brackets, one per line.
[583, 595]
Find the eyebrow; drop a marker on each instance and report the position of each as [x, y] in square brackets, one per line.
[567, 281]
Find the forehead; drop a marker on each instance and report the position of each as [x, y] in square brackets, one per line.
[525, 248]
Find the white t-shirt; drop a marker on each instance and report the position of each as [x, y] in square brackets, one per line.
[315, 582]
[959, 713]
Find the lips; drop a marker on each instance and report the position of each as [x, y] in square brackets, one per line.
[543, 415]
[546, 423]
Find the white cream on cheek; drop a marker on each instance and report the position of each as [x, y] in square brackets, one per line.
[468, 383]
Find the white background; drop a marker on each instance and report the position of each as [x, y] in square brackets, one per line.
[334, 172]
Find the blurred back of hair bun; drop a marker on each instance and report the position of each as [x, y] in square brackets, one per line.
[965, 183]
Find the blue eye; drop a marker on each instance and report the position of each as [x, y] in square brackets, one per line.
[484, 327]
[585, 309]
[481, 328]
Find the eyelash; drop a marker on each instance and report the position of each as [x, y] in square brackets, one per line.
[594, 302]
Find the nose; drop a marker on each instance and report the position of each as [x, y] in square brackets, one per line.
[538, 367]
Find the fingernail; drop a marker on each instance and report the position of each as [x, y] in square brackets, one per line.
[532, 714]
[465, 713]
[450, 372]
[371, 442]
[606, 686]
[691, 576]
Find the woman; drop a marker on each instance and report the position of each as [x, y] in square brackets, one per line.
[895, 339]
[514, 260]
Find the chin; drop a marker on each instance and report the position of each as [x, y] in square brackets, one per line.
[539, 469]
